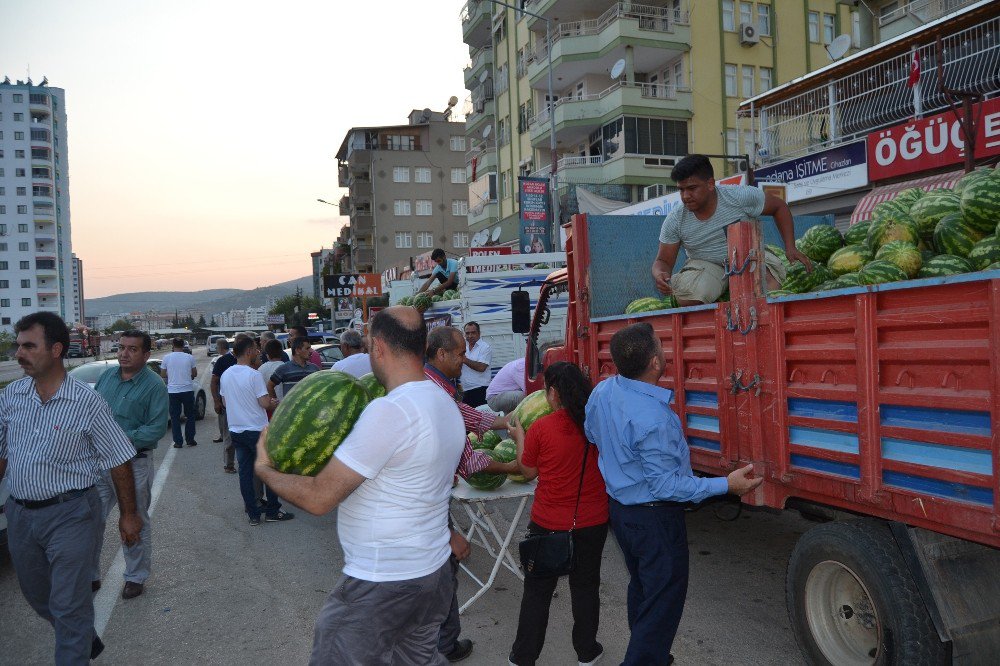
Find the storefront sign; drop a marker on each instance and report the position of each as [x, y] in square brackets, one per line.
[489, 252]
[352, 284]
[826, 172]
[931, 143]
[534, 232]
[422, 263]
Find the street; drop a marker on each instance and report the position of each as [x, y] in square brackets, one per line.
[223, 592]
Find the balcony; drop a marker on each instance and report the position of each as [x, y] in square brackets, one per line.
[362, 223]
[486, 161]
[45, 266]
[41, 173]
[482, 62]
[476, 23]
[364, 257]
[38, 101]
[344, 205]
[343, 175]
[46, 294]
[484, 213]
[915, 13]
[628, 168]
[484, 112]
[577, 117]
[360, 188]
[40, 135]
[42, 154]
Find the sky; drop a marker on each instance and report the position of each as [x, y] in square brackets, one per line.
[202, 132]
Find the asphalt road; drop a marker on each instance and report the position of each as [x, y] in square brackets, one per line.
[223, 592]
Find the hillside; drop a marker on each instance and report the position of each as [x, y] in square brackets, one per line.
[209, 300]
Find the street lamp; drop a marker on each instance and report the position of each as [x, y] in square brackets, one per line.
[327, 202]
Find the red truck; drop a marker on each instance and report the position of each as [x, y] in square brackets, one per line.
[874, 410]
[83, 342]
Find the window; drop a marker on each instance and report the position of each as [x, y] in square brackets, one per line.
[3, 247]
[22, 228]
[400, 142]
[460, 240]
[18, 97]
[18, 116]
[424, 207]
[425, 239]
[748, 76]
[813, 26]
[25, 265]
[18, 136]
[22, 191]
[459, 207]
[401, 207]
[732, 138]
[3, 265]
[748, 144]
[679, 74]
[18, 154]
[25, 284]
[4, 302]
[746, 12]
[504, 184]
[5, 321]
[730, 80]
[458, 143]
[22, 247]
[458, 175]
[4, 284]
[728, 15]
[22, 210]
[400, 174]
[763, 19]
[500, 30]
[766, 79]
[829, 28]
[3, 211]
[404, 239]
[422, 175]
[20, 173]
[26, 302]
[645, 136]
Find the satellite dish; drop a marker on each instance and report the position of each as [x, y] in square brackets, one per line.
[495, 236]
[485, 75]
[618, 68]
[838, 47]
[486, 131]
[452, 101]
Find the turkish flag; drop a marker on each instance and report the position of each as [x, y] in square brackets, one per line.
[914, 77]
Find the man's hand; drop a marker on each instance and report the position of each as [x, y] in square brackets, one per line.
[129, 525]
[218, 406]
[793, 254]
[514, 428]
[740, 482]
[263, 460]
[663, 283]
[459, 546]
[501, 423]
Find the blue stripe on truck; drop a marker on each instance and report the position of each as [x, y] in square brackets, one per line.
[946, 489]
[955, 458]
[702, 443]
[823, 409]
[702, 422]
[826, 466]
[829, 440]
[942, 420]
[701, 399]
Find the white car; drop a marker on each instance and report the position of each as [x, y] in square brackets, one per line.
[89, 373]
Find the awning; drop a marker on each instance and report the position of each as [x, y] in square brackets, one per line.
[864, 208]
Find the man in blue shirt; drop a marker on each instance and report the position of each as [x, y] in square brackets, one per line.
[446, 272]
[647, 470]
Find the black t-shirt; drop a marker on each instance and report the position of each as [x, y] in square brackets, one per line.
[225, 362]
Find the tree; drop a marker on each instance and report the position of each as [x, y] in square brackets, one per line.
[6, 342]
[201, 321]
[119, 325]
[296, 308]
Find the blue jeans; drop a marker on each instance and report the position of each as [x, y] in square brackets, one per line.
[183, 399]
[654, 543]
[245, 444]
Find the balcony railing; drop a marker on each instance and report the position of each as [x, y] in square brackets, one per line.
[38, 99]
[39, 135]
[923, 10]
[647, 90]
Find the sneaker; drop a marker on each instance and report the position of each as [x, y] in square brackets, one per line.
[596, 659]
[254, 521]
[96, 647]
[279, 517]
[229, 469]
[192, 443]
[178, 446]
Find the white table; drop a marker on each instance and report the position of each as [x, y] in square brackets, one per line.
[483, 531]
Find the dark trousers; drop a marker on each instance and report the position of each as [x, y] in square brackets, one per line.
[452, 627]
[475, 397]
[585, 594]
[245, 444]
[183, 399]
[654, 543]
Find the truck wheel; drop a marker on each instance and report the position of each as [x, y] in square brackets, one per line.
[852, 600]
[199, 407]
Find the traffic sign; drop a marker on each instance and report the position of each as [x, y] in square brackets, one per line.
[352, 284]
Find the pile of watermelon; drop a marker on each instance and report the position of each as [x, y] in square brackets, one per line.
[915, 235]
[532, 408]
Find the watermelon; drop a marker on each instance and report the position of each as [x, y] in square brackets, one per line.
[903, 254]
[953, 236]
[474, 441]
[944, 265]
[405, 300]
[541, 266]
[422, 301]
[857, 233]
[798, 280]
[888, 209]
[532, 408]
[489, 439]
[846, 280]
[826, 286]
[909, 196]
[928, 211]
[985, 252]
[312, 421]
[450, 295]
[724, 298]
[995, 266]
[487, 480]
[981, 204]
[436, 298]
[778, 252]
[849, 259]
[506, 450]
[372, 386]
[880, 272]
[970, 178]
[900, 227]
[819, 242]
[517, 478]
[651, 304]
[927, 255]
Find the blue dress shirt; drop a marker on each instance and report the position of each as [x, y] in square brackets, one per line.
[643, 454]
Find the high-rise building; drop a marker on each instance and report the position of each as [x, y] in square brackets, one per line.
[407, 191]
[635, 87]
[36, 259]
[78, 309]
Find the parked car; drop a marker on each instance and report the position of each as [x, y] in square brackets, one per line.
[329, 353]
[4, 494]
[90, 372]
[212, 340]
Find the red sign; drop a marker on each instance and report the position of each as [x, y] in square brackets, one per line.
[423, 263]
[368, 284]
[930, 143]
[489, 252]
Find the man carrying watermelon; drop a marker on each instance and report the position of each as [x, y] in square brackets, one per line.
[391, 481]
[446, 272]
[699, 226]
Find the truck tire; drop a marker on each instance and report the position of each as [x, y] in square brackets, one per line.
[852, 600]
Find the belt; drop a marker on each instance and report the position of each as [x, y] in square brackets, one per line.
[141, 453]
[678, 505]
[58, 499]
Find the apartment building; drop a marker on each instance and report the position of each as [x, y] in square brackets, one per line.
[634, 88]
[79, 312]
[36, 260]
[407, 191]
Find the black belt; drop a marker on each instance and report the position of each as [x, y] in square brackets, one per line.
[678, 505]
[58, 499]
[141, 453]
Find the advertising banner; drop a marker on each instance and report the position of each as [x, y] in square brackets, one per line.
[819, 174]
[489, 252]
[535, 220]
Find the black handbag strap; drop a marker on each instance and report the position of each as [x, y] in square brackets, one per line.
[579, 490]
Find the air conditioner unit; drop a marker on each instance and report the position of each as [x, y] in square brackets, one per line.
[653, 191]
[748, 34]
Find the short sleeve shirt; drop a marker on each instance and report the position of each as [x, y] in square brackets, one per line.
[223, 363]
[178, 366]
[706, 239]
[450, 266]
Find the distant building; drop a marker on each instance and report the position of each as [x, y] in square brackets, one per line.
[319, 259]
[78, 310]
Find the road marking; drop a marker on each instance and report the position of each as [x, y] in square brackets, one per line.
[109, 595]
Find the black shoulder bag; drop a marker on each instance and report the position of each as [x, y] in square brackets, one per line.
[551, 553]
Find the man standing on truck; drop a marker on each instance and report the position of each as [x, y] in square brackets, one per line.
[646, 466]
[446, 272]
[476, 368]
[699, 226]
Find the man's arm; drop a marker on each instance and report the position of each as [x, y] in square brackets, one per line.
[517, 434]
[426, 284]
[216, 397]
[155, 424]
[270, 388]
[663, 266]
[129, 522]
[267, 402]
[478, 366]
[779, 210]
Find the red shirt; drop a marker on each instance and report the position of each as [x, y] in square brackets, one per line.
[554, 446]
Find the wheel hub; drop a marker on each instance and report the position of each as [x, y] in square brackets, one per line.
[841, 616]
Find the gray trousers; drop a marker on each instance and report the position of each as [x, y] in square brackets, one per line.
[137, 557]
[505, 402]
[228, 452]
[370, 624]
[52, 550]
[451, 629]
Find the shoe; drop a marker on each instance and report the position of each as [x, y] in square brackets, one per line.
[131, 590]
[229, 469]
[95, 585]
[671, 660]
[254, 522]
[192, 443]
[96, 647]
[462, 649]
[595, 659]
[217, 440]
[279, 517]
[178, 446]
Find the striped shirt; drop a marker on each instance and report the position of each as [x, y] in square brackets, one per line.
[59, 445]
[706, 239]
[472, 461]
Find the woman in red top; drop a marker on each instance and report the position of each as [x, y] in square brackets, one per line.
[553, 451]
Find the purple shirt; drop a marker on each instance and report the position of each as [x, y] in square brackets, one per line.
[509, 378]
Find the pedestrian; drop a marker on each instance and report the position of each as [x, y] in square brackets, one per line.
[273, 353]
[556, 451]
[56, 435]
[224, 361]
[265, 337]
[506, 390]
[356, 361]
[476, 370]
[287, 375]
[301, 332]
[646, 465]
[391, 479]
[179, 369]
[139, 403]
[246, 400]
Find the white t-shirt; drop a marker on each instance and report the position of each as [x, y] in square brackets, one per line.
[178, 366]
[482, 353]
[407, 444]
[268, 368]
[355, 364]
[240, 386]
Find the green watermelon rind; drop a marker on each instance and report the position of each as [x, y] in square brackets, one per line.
[849, 259]
[903, 254]
[928, 211]
[857, 233]
[985, 252]
[819, 242]
[533, 407]
[880, 272]
[373, 387]
[944, 265]
[487, 481]
[980, 204]
[954, 236]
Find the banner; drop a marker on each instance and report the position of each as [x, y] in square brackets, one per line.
[819, 174]
[535, 217]
[489, 252]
